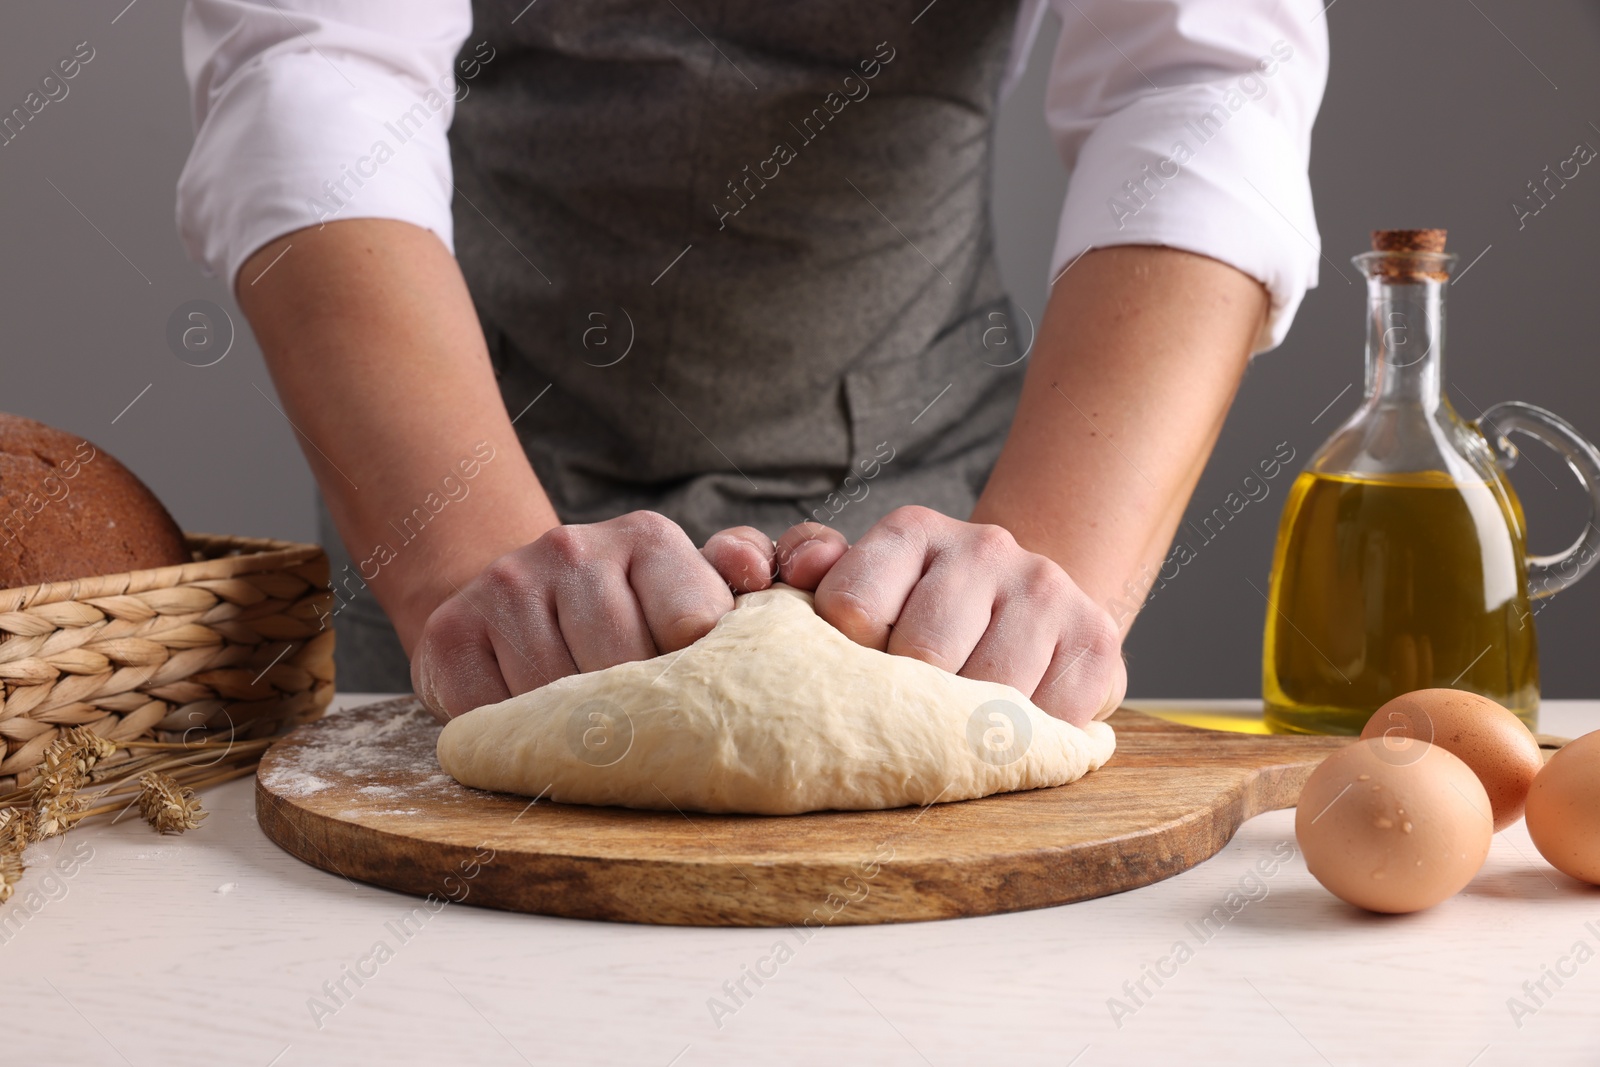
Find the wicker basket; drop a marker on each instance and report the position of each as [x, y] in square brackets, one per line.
[230, 645]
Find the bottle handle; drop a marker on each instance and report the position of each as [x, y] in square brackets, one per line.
[1548, 575]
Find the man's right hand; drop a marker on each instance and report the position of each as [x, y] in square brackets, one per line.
[581, 598]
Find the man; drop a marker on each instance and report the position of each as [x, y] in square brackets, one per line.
[723, 277]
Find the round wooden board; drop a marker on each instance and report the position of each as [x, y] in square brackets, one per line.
[360, 794]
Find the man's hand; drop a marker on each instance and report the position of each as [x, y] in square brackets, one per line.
[579, 599]
[967, 598]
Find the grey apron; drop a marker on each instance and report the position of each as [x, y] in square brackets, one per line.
[734, 262]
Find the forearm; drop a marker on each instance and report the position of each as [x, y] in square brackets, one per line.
[1139, 355]
[380, 363]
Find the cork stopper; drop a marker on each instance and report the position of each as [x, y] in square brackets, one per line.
[1408, 240]
[1411, 255]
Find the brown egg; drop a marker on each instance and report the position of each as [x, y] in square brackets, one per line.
[1564, 809]
[1393, 824]
[1501, 751]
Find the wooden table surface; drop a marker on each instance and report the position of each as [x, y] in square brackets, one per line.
[218, 948]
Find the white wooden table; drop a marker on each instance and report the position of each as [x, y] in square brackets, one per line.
[215, 947]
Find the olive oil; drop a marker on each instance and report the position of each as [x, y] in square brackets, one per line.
[1386, 583]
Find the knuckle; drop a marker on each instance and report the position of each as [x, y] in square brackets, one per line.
[914, 517]
[803, 533]
[1044, 579]
[441, 626]
[911, 521]
[721, 542]
[749, 534]
[452, 626]
[933, 648]
[650, 526]
[992, 543]
[504, 580]
[849, 612]
[741, 571]
[565, 545]
[1088, 662]
[447, 632]
[689, 626]
[739, 540]
[806, 533]
[1101, 636]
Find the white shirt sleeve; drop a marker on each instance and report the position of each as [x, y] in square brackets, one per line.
[1187, 123]
[311, 110]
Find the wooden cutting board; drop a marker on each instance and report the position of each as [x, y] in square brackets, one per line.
[360, 794]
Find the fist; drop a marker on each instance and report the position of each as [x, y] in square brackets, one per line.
[581, 598]
[967, 598]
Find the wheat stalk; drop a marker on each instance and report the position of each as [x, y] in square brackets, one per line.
[168, 805]
[10, 872]
[80, 777]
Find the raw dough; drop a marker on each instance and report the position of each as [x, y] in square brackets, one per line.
[774, 712]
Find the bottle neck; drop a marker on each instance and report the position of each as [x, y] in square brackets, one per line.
[1405, 342]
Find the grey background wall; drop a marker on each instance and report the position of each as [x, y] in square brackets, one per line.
[1436, 114]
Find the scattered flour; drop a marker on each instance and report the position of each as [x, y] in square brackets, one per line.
[383, 751]
[299, 785]
[226, 887]
[162, 853]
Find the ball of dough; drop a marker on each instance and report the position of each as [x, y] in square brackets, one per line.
[774, 712]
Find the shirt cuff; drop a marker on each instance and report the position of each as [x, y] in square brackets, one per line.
[296, 142]
[1182, 169]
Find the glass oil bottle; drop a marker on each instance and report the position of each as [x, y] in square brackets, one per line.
[1401, 561]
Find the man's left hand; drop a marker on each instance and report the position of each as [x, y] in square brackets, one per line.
[962, 596]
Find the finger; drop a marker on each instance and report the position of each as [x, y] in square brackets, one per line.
[530, 648]
[1117, 693]
[863, 594]
[743, 556]
[946, 615]
[510, 600]
[600, 618]
[454, 668]
[1086, 672]
[679, 593]
[806, 552]
[1019, 644]
[595, 607]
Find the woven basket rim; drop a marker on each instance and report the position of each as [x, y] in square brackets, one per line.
[254, 554]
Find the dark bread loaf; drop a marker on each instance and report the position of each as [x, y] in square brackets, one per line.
[68, 510]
